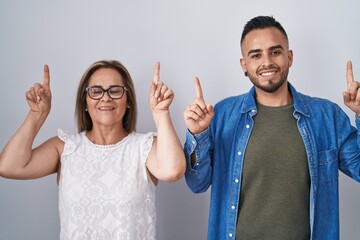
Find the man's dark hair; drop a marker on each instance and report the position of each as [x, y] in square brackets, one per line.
[261, 22]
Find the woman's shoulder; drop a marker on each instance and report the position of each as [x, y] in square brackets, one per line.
[70, 138]
[137, 137]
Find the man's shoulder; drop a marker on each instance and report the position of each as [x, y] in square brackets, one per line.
[230, 101]
[316, 105]
[316, 101]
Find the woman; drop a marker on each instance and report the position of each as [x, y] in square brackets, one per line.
[107, 172]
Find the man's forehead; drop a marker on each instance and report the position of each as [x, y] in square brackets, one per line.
[264, 39]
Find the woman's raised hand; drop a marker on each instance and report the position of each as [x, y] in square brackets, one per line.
[39, 96]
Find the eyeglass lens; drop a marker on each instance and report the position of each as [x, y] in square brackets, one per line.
[114, 92]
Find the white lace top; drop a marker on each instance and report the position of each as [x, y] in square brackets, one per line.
[105, 191]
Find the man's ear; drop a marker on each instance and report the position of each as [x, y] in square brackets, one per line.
[243, 65]
[290, 57]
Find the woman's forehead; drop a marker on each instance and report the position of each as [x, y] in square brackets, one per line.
[106, 76]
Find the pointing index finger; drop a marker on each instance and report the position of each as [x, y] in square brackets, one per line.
[199, 94]
[349, 73]
[46, 81]
[156, 77]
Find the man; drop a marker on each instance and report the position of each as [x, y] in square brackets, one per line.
[272, 155]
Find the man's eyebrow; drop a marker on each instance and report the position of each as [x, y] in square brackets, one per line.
[270, 48]
[254, 51]
[276, 47]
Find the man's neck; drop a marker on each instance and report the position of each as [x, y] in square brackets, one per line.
[280, 97]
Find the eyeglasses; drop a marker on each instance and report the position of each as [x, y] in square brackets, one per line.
[114, 92]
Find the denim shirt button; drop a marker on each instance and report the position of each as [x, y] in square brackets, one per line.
[232, 207]
[236, 180]
[247, 126]
[239, 153]
[230, 235]
[193, 142]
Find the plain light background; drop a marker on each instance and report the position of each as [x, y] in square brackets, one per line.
[190, 38]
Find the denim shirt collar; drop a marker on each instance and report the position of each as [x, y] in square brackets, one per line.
[300, 105]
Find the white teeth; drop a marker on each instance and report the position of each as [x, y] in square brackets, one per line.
[106, 108]
[266, 74]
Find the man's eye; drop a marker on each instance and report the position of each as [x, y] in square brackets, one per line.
[276, 52]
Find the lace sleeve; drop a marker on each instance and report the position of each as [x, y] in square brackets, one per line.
[70, 140]
[147, 142]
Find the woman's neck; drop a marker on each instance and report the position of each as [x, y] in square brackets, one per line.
[106, 136]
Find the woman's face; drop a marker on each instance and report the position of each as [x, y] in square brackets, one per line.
[106, 111]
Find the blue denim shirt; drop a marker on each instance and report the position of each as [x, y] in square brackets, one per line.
[330, 141]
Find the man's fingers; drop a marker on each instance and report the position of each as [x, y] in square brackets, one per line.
[46, 81]
[349, 74]
[30, 94]
[198, 110]
[210, 110]
[156, 77]
[199, 94]
[198, 89]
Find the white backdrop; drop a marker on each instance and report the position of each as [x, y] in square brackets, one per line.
[188, 37]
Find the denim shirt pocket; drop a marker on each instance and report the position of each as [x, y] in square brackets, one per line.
[328, 166]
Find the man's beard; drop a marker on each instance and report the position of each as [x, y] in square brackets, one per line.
[272, 85]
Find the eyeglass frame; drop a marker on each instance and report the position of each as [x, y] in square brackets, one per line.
[105, 90]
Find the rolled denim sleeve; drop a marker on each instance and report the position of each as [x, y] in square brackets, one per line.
[357, 123]
[350, 149]
[198, 176]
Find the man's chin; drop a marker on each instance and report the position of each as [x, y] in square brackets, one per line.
[271, 87]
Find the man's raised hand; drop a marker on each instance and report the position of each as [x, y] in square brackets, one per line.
[198, 114]
[352, 94]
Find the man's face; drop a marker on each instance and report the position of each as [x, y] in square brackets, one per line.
[266, 58]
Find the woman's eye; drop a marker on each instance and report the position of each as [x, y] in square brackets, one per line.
[97, 91]
[114, 91]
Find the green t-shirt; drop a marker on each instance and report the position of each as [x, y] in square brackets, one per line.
[275, 188]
